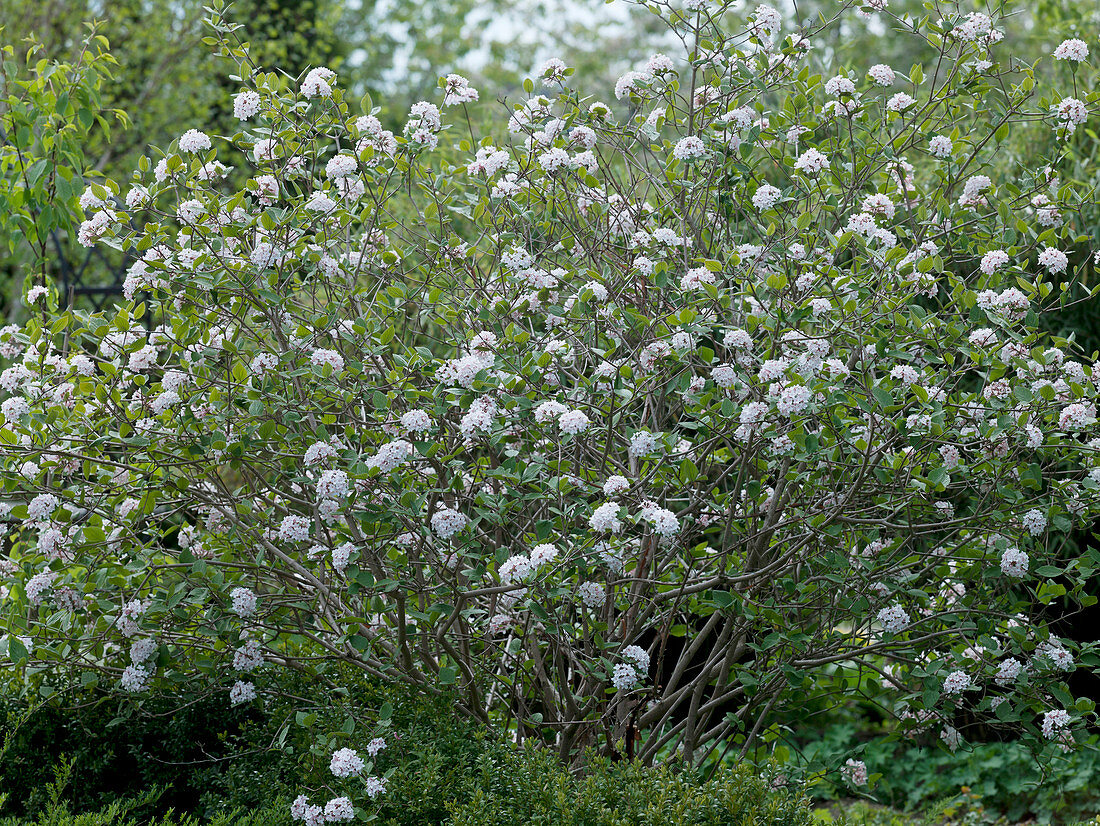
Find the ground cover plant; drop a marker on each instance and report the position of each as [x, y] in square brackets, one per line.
[623, 425]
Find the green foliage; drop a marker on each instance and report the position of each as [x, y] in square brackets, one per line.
[441, 769]
[114, 752]
[49, 111]
[533, 788]
[118, 814]
[1001, 779]
[210, 760]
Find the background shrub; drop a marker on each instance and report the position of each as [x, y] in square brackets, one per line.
[533, 788]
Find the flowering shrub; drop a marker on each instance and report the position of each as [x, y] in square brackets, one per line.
[625, 421]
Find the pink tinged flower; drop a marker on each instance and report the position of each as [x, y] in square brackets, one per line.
[574, 422]
[724, 376]
[879, 204]
[331, 358]
[241, 693]
[128, 618]
[375, 786]
[553, 71]
[135, 678]
[333, 484]
[628, 84]
[993, 261]
[376, 745]
[956, 682]
[317, 82]
[605, 519]
[616, 485]
[689, 149]
[548, 411]
[893, 619]
[457, 90]
[696, 277]
[194, 141]
[1034, 522]
[244, 602]
[881, 74]
[294, 528]
[765, 21]
[1077, 416]
[341, 555]
[416, 421]
[89, 200]
[940, 146]
[141, 650]
[624, 676]
[1054, 260]
[248, 657]
[664, 521]
[246, 104]
[340, 166]
[793, 399]
[900, 102]
[638, 656]
[1073, 50]
[299, 807]
[854, 772]
[839, 85]
[499, 623]
[811, 162]
[1054, 722]
[42, 507]
[543, 554]
[393, 454]
[592, 594]
[904, 373]
[447, 522]
[38, 586]
[1059, 657]
[346, 763]
[1008, 671]
[95, 227]
[1072, 112]
[642, 443]
[772, 369]
[766, 197]
[516, 568]
[339, 810]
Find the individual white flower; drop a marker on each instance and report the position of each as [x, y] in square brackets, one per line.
[689, 149]
[765, 197]
[881, 74]
[1073, 50]
[1053, 259]
[605, 519]
[447, 522]
[893, 619]
[346, 763]
[244, 602]
[592, 594]
[194, 141]
[246, 104]
[242, 692]
[1014, 563]
[811, 162]
[940, 147]
[956, 682]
